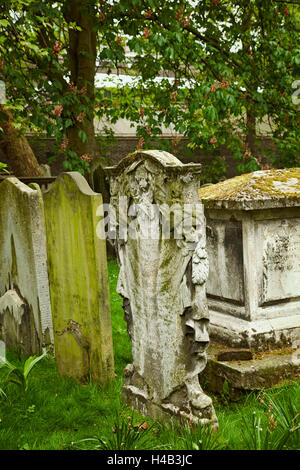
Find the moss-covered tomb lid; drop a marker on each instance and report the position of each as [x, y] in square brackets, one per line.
[258, 190]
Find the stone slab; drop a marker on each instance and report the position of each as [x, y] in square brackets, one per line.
[262, 189]
[258, 335]
[263, 371]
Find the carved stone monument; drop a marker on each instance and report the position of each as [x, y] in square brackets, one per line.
[160, 240]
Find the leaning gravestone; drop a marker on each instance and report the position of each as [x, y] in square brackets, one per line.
[163, 269]
[25, 311]
[78, 280]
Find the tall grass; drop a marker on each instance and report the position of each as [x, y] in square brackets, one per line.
[56, 412]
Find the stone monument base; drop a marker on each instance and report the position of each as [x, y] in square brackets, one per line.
[263, 334]
[264, 370]
[138, 400]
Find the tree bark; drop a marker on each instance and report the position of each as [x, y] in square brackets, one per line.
[82, 56]
[19, 155]
[250, 111]
[251, 132]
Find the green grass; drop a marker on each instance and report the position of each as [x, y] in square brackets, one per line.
[58, 413]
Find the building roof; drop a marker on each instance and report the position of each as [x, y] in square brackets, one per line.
[258, 190]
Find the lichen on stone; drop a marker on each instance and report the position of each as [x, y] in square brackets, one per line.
[259, 185]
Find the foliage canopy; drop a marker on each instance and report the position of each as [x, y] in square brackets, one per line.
[214, 70]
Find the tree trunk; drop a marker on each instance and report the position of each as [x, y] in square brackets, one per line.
[251, 132]
[252, 86]
[82, 55]
[19, 155]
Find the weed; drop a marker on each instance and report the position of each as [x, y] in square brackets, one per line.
[195, 437]
[125, 435]
[18, 375]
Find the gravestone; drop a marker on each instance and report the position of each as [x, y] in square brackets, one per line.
[78, 280]
[25, 310]
[160, 239]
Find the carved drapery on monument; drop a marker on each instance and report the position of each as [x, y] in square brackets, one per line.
[160, 240]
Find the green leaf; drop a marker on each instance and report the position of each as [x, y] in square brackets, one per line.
[169, 52]
[57, 84]
[68, 123]
[16, 376]
[211, 113]
[2, 393]
[32, 46]
[29, 364]
[82, 135]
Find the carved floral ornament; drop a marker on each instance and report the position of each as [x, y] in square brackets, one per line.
[154, 187]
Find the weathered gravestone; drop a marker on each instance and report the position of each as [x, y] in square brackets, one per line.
[25, 310]
[78, 280]
[163, 269]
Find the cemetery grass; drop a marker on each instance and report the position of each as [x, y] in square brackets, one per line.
[57, 413]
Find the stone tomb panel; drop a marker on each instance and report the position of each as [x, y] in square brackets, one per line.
[225, 252]
[278, 258]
